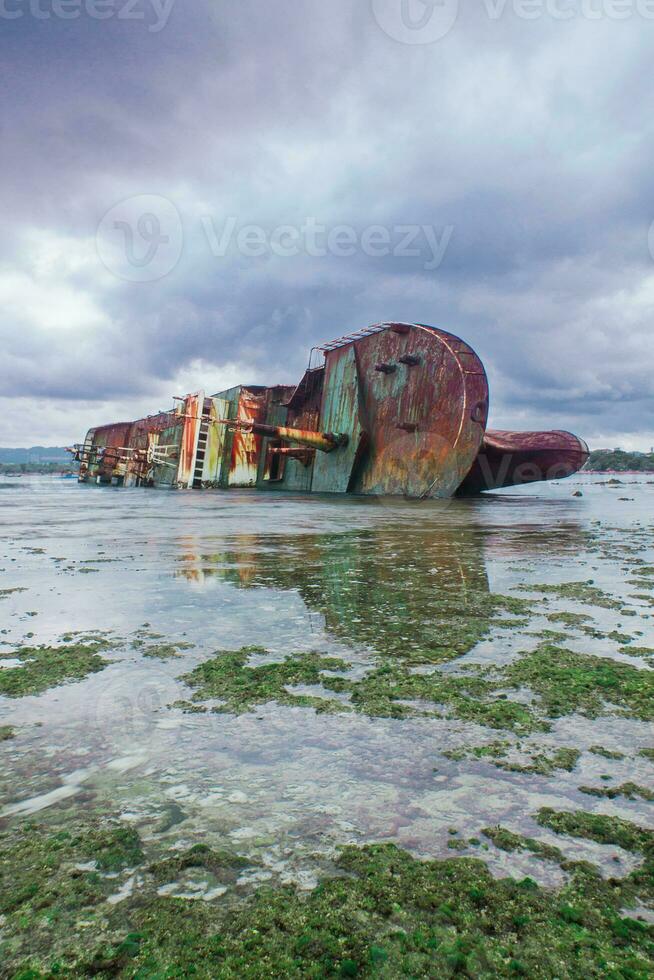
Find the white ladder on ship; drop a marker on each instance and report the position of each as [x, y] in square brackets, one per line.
[201, 452]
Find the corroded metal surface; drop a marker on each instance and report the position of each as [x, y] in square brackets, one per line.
[246, 446]
[326, 442]
[212, 467]
[510, 458]
[396, 408]
[193, 407]
[102, 451]
[340, 413]
[423, 417]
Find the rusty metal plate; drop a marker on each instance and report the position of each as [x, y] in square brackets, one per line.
[339, 414]
[193, 408]
[421, 394]
[106, 451]
[214, 460]
[246, 446]
[508, 459]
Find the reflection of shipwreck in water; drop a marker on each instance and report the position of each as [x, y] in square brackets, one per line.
[418, 592]
[396, 408]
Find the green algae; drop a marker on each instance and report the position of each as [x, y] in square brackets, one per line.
[605, 753]
[223, 863]
[113, 848]
[568, 682]
[40, 869]
[7, 732]
[638, 886]
[5, 593]
[631, 791]
[165, 651]
[562, 681]
[568, 618]
[387, 915]
[383, 913]
[647, 754]
[543, 764]
[143, 641]
[139, 944]
[553, 636]
[633, 651]
[172, 816]
[49, 880]
[228, 678]
[598, 827]
[506, 840]
[494, 750]
[44, 667]
[584, 592]
[383, 691]
[621, 638]
[540, 763]
[142, 637]
[53, 879]
[390, 691]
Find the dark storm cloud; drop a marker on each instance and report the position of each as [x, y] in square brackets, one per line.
[530, 140]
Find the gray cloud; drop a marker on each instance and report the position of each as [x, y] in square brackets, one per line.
[532, 140]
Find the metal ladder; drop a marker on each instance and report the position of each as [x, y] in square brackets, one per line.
[201, 451]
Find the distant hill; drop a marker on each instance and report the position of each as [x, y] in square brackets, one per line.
[35, 454]
[619, 461]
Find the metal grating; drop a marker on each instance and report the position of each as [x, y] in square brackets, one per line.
[351, 337]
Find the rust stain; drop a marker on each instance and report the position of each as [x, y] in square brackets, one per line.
[246, 445]
[396, 408]
[510, 458]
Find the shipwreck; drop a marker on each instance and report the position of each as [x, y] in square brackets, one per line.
[393, 409]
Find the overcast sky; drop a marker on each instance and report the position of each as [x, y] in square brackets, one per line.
[195, 193]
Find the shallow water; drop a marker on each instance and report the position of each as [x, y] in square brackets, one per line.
[353, 578]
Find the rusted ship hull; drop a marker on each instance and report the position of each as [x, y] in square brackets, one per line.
[508, 459]
[396, 408]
